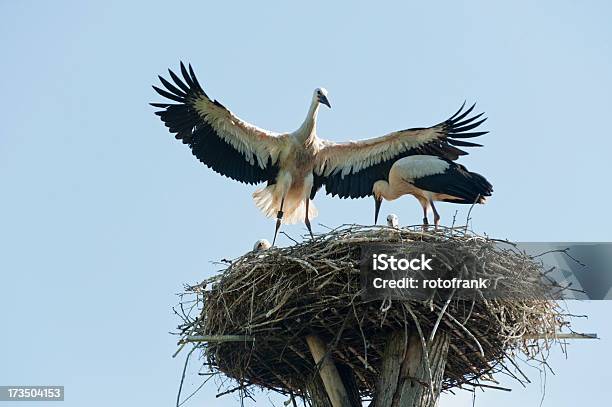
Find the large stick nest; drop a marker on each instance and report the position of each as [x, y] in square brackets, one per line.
[277, 297]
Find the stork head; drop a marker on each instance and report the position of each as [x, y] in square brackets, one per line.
[320, 94]
[261, 245]
[392, 220]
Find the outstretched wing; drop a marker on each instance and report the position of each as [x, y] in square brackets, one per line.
[350, 170]
[219, 139]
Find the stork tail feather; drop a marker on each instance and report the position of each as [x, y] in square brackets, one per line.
[268, 200]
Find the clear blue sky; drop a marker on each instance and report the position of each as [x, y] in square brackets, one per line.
[104, 216]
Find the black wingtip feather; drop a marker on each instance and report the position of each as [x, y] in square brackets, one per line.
[458, 111]
[187, 125]
[468, 135]
[467, 127]
[172, 88]
[462, 116]
[467, 121]
[187, 77]
[460, 124]
[178, 81]
[169, 95]
[195, 79]
[461, 143]
[183, 90]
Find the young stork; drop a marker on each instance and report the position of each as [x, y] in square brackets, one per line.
[295, 165]
[261, 245]
[430, 178]
[393, 221]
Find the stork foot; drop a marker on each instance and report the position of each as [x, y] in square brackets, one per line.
[309, 229]
[425, 224]
[279, 218]
[278, 223]
[306, 220]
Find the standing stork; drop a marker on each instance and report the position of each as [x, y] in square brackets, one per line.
[295, 165]
[430, 178]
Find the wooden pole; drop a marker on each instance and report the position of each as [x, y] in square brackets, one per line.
[408, 378]
[328, 372]
[391, 365]
[350, 383]
[316, 392]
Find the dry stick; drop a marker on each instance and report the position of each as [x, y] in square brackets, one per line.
[198, 389]
[467, 221]
[425, 352]
[454, 218]
[346, 361]
[488, 386]
[289, 237]
[440, 316]
[560, 335]
[180, 348]
[293, 400]
[217, 338]
[336, 337]
[470, 313]
[328, 372]
[252, 309]
[515, 377]
[466, 331]
[365, 344]
[178, 396]
[362, 360]
[230, 391]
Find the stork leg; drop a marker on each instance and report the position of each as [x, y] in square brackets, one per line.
[307, 221]
[425, 221]
[279, 218]
[436, 215]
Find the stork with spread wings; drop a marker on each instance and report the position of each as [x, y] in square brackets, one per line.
[295, 165]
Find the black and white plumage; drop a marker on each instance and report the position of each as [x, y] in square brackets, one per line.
[244, 152]
[349, 170]
[295, 165]
[431, 178]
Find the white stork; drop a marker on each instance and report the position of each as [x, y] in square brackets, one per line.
[430, 178]
[295, 165]
[393, 221]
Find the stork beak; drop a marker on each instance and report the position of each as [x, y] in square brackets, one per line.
[377, 203]
[323, 99]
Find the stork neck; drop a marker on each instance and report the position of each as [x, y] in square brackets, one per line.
[308, 129]
[383, 189]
